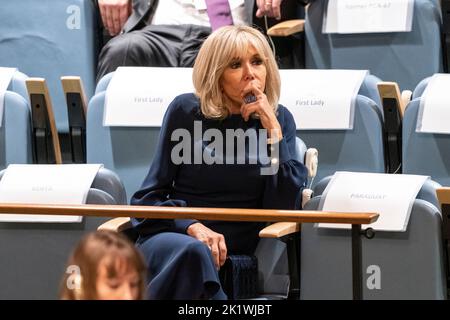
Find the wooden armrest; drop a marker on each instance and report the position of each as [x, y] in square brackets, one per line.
[72, 84]
[406, 98]
[76, 104]
[390, 90]
[286, 28]
[116, 224]
[279, 229]
[224, 214]
[37, 87]
[443, 195]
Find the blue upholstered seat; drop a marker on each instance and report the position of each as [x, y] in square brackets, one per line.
[389, 56]
[50, 39]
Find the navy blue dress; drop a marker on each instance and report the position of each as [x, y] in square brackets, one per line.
[181, 267]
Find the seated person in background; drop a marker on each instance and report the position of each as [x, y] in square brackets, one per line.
[169, 33]
[235, 64]
[105, 265]
[289, 50]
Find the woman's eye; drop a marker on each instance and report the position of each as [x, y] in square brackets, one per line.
[257, 61]
[235, 65]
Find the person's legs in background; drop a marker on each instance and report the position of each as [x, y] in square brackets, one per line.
[153, 46]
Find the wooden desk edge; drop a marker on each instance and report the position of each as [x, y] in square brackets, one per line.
[299, 216]
[443, 195]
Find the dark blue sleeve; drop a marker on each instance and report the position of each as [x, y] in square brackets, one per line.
[284, 187]
[157, 186]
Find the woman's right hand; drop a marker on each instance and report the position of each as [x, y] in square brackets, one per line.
[215, 241]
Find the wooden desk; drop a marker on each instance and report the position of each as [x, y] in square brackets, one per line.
[225, 214]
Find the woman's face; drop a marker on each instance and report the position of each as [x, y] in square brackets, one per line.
[240, 75]
[123, 286]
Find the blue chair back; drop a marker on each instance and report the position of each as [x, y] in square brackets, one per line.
[128, 151]
[15, 130]
[360, 149]
[50, 39]
[389, 56]
[424, 153]
[407, 265]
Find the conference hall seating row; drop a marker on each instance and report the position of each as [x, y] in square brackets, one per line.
[105, 144]
[67, 42]
[367, 147]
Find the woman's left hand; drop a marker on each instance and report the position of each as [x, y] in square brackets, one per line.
[215, 241]
[262, 108]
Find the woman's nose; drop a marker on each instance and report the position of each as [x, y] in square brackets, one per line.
[249, 73]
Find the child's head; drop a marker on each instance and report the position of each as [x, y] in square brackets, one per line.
[104, 265]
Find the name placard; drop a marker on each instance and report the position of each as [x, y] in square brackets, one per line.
[321, 99]
[139, 96]
[391, 195]
[368, 16]
[46, 184]
[6, 75]
[434, 108]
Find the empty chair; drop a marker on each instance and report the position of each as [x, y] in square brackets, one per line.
[15, 129]
[34, 254]
[395, 265]
[18, 85]
[424, 152]
[359, 149]
[390, 56]
[128, 151]
[50, 39]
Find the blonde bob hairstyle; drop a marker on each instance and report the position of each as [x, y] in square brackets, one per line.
[216, 54]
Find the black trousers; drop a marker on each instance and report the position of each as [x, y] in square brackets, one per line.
[153, 46]
[178, 46]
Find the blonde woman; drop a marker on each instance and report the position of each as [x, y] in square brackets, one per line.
[228, 145]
